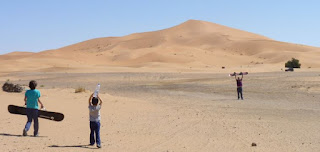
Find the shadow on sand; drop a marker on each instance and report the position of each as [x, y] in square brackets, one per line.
[74, 146]
[11, 135]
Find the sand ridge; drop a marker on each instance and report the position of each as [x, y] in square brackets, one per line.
[166, 91]
[194, 43]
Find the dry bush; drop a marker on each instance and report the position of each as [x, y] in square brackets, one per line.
[79, 90]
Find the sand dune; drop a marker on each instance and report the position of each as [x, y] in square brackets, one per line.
[194, 43]
[166, 91]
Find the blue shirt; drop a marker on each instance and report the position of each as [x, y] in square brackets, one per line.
[32, 98]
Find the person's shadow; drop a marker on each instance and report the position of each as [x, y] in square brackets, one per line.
[12, 135]
[52, 146]
[74, 146]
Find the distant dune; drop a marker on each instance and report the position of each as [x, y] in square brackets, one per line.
[15, 55]
[191, 44]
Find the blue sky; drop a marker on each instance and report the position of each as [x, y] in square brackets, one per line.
[37, 25]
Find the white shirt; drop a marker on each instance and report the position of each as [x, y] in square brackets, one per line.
[94, 113]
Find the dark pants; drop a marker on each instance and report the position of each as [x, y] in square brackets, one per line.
[239, 90]
[95, 128]
[32, 114]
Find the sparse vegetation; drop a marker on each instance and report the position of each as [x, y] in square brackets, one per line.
[79, 90]
[293, 63]
[42, 86]
[10, 87]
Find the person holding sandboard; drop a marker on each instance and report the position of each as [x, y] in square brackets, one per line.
[239, 85]
[32, 97]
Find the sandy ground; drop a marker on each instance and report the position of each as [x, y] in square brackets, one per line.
[173, 111]
[182, 101]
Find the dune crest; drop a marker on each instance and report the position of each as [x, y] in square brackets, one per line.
[192, 43]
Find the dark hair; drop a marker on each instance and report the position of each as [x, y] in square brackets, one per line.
[94, 101]
[32, 84]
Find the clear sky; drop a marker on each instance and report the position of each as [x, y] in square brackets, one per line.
[37, 25]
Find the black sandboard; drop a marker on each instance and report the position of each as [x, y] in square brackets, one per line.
[42, 114]
[234, 74]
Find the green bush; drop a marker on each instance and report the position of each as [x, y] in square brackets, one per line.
[293, 63]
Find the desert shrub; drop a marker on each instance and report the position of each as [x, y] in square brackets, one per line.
[10, 87]
[79, 90]
[293, 63]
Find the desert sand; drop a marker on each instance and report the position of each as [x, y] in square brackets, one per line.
[172, 112]
[166, 91]
[191, 45]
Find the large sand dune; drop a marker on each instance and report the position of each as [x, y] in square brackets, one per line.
[182, 101]
[196, 44]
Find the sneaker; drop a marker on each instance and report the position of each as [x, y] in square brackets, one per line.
[91, 144]
[36, 135]
[24, 132]
[99, 146]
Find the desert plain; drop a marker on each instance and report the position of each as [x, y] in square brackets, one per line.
[166, 91]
